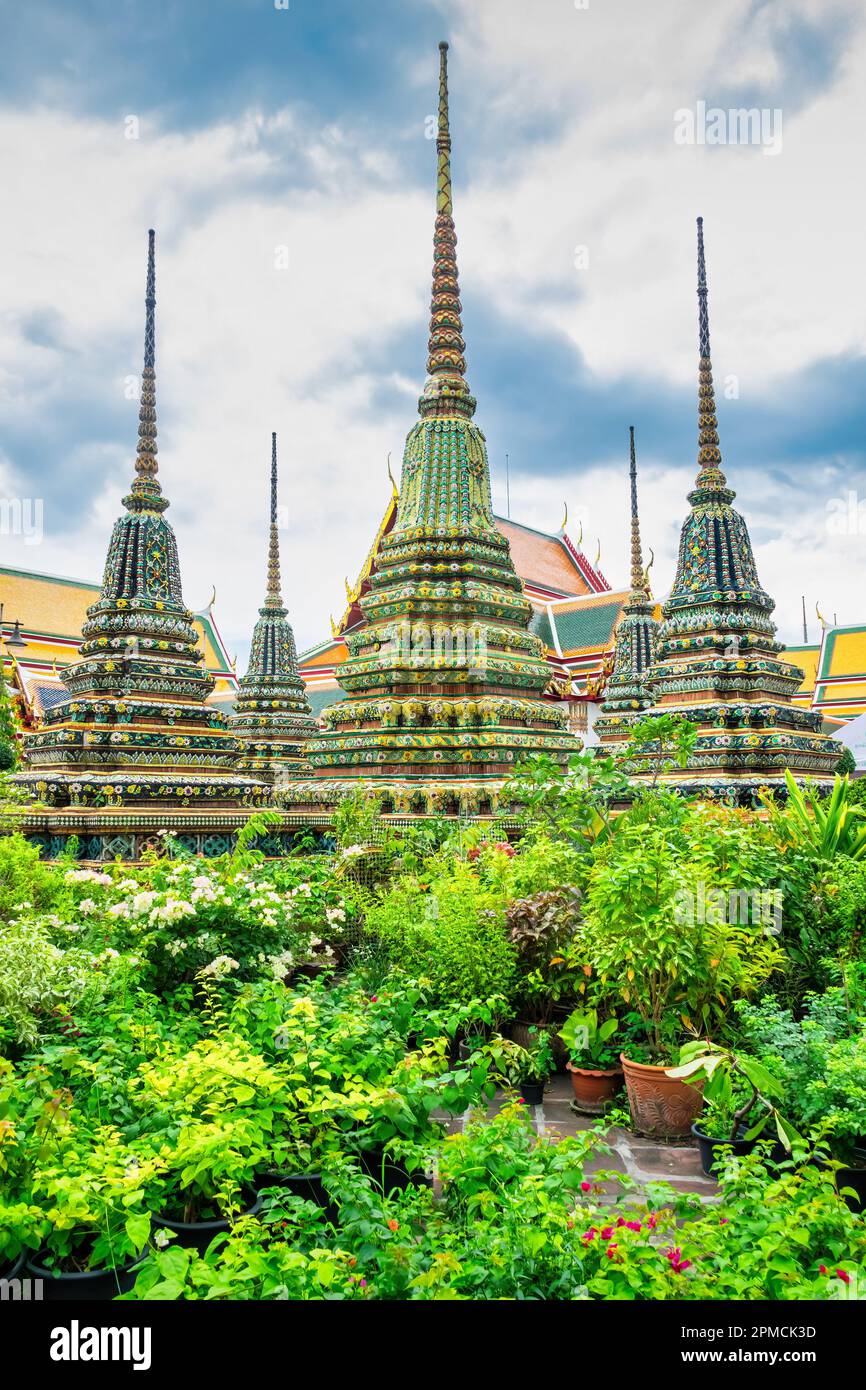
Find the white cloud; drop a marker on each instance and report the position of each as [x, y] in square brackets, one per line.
[244, 348]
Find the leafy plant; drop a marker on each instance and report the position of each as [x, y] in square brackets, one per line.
[829, 826]
[589, 1041]
[722, 1072]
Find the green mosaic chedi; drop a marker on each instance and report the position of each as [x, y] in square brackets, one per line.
[273, 718]
[445, 683]
[718, 662]
[137, 730]
[628, 691]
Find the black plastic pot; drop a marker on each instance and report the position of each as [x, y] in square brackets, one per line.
[390, 1175]
[92, 1286]
[197, 1235]
[13, 1269]
[532, 1092]
[312, 970]
[709, 1148]
[306, 1185]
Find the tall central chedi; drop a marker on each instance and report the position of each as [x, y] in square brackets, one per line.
[445, 682]
[717, 659]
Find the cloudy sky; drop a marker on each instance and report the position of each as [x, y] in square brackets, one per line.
[283, 156]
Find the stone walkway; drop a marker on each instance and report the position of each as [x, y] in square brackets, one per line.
[645, 1160]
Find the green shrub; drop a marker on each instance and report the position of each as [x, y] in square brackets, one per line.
[452, 932]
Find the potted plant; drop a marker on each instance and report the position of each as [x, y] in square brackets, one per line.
[534, 1064]
[648, 941]
[208, 1178]
[19, 1225]
[593, 1065]
[92, 1224]
[738, 1093]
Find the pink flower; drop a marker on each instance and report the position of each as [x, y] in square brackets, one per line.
[822, 1269]
[586, 1187]
[844, 1276]
[723, 1221]
[373, 998]
[633, 1225]
[652, 1221]
[620, 1221]
[611, 1250]
[606, 1232]
[674, 1256]
[589, 1235]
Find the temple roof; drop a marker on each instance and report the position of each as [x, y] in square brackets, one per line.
[549, 563]
[573, 626]
[52, 609]
[840, 677]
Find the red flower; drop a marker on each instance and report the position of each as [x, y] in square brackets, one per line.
[844, 1276]
[620, 1221]
[393, 1225]
[586, 1187]
[610, 1250]
[589, 1235]
[606, 1232]
[723, 1221]
[633, 1225]
[652, 1221]
[822, 1269]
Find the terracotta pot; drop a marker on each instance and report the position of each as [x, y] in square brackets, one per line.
[593, 1089]
[662, 1107]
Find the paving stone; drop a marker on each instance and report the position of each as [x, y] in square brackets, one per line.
[644, 1160]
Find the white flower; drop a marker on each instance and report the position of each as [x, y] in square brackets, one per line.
[281, 964]
[220, 967]
[142, 903]
[160, 1239]
[118, 910]
[172, 910]
[202, 881]
[86, 876]
[87, 907]
[351, 850]
[335, 914]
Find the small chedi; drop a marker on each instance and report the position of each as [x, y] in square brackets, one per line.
[137, 732]
[445, 683]
[273, 717]
[628, 691]
[718, 662]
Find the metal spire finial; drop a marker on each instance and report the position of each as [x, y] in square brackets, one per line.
[274, 597]
[710, 473]
[146, 491]
[443, 139]
[638, 572]
[445, 390]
